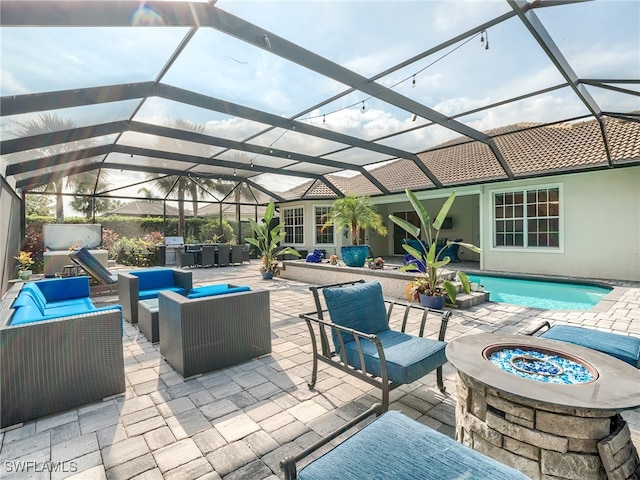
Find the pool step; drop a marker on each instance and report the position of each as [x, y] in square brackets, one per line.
[467, 300]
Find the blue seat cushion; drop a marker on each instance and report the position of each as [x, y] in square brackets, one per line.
[622, 347]
[360, 307]
[217, 289]
[408, 357]
[399, 448]
[153, 293]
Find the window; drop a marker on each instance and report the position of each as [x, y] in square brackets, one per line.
[527, 218]
[323, 236]
[293, 225]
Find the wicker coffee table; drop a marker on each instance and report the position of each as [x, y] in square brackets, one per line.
[148, 319]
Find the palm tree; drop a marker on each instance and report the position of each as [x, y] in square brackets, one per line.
[85, 183]
[355, 213]
[48, 123]
[185, 184]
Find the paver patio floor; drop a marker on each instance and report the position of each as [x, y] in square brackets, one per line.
[238, 423]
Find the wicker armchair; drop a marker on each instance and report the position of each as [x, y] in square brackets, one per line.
[202, 334]
[54, 365]
[130, 289]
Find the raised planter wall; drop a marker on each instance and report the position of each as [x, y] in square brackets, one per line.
[393, 282]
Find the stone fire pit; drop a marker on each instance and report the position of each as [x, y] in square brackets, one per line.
[550, 409]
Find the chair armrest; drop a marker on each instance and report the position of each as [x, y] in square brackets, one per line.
[288, 465]
[357, 336]
[128, 296]
[408, 307]
[183, 279]
[544, 324]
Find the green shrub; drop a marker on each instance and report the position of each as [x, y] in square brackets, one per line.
[134, 252]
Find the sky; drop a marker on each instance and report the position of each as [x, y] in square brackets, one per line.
[600, 39]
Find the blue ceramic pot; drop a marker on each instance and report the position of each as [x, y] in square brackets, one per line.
[354, 255]
[431, 301]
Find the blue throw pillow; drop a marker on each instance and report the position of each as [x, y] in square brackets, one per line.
[360, 307]
[315, 257]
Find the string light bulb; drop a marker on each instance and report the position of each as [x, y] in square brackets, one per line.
[484, 33]
[413, 83]
[363, 105]
[234, 172]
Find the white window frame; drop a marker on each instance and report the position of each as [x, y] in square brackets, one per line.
[315, 228]
[525, 247]
[283, 220]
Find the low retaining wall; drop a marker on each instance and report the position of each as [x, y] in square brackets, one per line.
[394, 283]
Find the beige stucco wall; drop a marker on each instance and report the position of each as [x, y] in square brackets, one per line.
[601, 228]
[600, 225]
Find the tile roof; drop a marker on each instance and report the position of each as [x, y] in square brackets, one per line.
[527, 148]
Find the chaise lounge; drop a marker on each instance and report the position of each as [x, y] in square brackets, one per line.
[622, 347]
[85, 259]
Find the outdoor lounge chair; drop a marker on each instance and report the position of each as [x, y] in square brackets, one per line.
[85, 259]
[213, 329]
[394, 446]
[363, 344]
[622, 347]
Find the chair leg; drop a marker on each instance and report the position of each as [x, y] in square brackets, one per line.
[314, 370]
[385, 397]
[439, 378]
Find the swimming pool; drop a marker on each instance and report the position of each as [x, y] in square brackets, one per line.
[541, 294]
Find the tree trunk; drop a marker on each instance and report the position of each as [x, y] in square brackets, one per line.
[59, 202]
[181, 188]
[193, 189]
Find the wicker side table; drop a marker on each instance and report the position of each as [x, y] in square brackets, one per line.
[148, 319]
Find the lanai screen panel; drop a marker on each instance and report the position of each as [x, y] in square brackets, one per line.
[246, 90]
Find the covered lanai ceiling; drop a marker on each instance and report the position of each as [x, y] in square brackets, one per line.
[316, 99]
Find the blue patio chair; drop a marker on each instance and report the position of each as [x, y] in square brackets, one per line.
[622, 347]
[394, 446]
[363, 344]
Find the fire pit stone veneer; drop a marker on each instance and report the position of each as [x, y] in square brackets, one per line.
[547, 431]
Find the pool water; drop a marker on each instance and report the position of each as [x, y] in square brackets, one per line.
[540, 294]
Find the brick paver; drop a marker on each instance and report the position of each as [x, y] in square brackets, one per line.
[240, 422]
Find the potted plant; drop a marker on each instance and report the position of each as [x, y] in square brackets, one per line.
[25, 261]
[266, 241]
[429, 286]
[355, 213]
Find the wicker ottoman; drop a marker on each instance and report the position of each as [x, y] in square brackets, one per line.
[148, 319]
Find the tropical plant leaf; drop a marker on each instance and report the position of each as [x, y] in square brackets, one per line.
[444, 211]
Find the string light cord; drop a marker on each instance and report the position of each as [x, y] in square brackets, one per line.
[324, 115]
[412, 76]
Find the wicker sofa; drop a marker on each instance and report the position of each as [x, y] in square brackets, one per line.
[145, 284]
[52, 364]
[198, 335]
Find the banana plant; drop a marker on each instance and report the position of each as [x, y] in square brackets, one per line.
[267, 240]
[430, 282]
